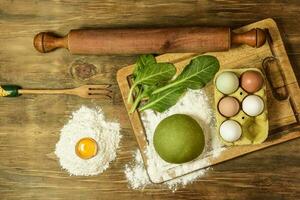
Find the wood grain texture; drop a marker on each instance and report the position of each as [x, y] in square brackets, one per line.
[150, 40]
[30, 124]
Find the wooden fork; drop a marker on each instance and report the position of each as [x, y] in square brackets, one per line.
[85, 91]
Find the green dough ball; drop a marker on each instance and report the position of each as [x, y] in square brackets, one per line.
[178, 139]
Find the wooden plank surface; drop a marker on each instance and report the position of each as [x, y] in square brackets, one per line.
[30, 124]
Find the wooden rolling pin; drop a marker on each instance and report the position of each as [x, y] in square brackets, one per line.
[151, 40]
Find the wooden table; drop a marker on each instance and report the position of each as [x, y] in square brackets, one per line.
[30, 124]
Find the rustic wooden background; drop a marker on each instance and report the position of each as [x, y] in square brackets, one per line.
[30, 124]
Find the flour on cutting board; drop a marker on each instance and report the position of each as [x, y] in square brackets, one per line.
[196, 104]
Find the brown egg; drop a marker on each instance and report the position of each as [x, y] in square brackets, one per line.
[229, 106]
[251, 81]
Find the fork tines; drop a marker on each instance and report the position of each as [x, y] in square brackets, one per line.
[98, 91]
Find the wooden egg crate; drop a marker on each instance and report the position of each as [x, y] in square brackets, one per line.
[282, 94]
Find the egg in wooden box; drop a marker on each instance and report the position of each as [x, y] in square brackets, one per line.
[241, 106]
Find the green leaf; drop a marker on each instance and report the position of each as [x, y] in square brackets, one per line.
[144, 92]
[164, 100]
[143, 61]
[153, 74]
[153, 80]
[196, 74]
[147, 90]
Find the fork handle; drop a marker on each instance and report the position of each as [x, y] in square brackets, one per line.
[15, 91]
[9, 90]
[46, 91]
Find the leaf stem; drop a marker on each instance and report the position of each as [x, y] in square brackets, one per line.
[163, 88]
[136, 103]
[129, 98]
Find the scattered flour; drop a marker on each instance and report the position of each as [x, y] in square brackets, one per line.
[196, 104]
[136, 173]
[87, 122]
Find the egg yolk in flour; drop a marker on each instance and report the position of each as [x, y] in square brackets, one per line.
[86, 148]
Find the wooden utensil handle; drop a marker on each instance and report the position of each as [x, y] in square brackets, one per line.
[143, 41]
[46, 91]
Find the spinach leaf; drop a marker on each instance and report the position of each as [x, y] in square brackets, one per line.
[144, 92]
[163, 100]
[152, 81]
[195, 75]
[143, 61]
[153, 74]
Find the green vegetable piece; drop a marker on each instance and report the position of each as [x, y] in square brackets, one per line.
[144, 92]
[196, 74]
[153, 74]
[178, 139]
[9, 91]
[143, 61]
[163, 100]
[165, 93]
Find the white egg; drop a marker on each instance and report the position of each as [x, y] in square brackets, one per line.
[230, 130]
[253, 105]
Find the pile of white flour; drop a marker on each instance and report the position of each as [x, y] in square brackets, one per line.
[87, 122]
[196, 104]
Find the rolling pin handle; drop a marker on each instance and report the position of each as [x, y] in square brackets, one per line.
[45, 42]
[255, 38]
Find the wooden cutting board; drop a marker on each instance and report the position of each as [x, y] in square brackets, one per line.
[282, 94]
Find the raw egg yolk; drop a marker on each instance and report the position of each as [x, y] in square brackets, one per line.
[86, 148]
